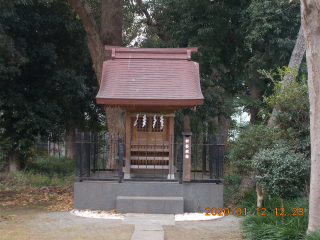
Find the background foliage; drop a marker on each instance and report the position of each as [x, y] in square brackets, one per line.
[248, 143]
[47, 83]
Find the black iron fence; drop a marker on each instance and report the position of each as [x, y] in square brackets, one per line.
[108, 157]
[93, 151]
[207, 158]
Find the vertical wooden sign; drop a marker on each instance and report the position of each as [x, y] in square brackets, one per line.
[186, 156]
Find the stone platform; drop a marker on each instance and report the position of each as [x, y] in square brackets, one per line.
[102, 195]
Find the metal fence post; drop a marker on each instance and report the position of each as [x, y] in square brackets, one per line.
[218, 159]
[88, 150]
[210, 157]
[221, 157]
[81, 156]
[121, 153]
[94, 152]
[180, 161]
[204, 154]
[77, 162]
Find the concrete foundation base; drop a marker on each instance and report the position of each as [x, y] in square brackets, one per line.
[103, 195]
[150, 205]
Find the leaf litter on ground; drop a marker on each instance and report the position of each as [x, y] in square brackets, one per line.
[59, 199]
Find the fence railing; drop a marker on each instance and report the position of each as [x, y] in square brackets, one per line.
[104, 157]
[207, 158]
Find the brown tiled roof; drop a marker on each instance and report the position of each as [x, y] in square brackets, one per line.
[150, 77]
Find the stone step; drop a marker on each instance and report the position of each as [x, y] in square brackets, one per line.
[150, 205]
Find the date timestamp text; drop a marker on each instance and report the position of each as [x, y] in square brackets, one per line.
[258, 212]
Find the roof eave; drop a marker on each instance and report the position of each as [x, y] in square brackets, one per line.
[150, 102]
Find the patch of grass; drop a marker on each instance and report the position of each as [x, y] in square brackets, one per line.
[42, 172]
[20, 180]
[30, 179]
[315, 235]
[272, 225]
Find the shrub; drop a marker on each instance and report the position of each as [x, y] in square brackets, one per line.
[3, 161]
[233, 179]
[51, 165]
[2, 165]
[292, 113]
[281, 171]
[248, 143]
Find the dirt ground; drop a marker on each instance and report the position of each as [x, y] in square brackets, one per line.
[35, 221]
[220, 229]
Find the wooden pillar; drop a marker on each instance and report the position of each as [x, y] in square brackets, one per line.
[128, 147]
[171, 150]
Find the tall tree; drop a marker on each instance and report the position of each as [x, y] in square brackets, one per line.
[294, 64]
[310, 21]
[46, 82]
[268, 29]
[235, 40]
[109, 33]
[211, 27]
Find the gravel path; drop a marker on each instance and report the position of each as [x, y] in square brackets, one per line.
[63, 225]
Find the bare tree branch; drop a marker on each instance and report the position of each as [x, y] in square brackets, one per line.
[151, 22]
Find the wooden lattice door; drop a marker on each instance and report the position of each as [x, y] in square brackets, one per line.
[150, 144]
[151, 131]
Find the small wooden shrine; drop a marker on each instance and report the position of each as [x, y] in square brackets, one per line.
[150, 84]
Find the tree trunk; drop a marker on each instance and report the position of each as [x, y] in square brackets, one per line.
[116, 121]
[296, 56]
[310, 21]
[109, 34]
[256, 94]
[71, 138]
[260, 195]
[186, 124]
[225, 125]
[111, 22]
[295, 61]
[71, 143]
[14, 161]
[247, 183]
